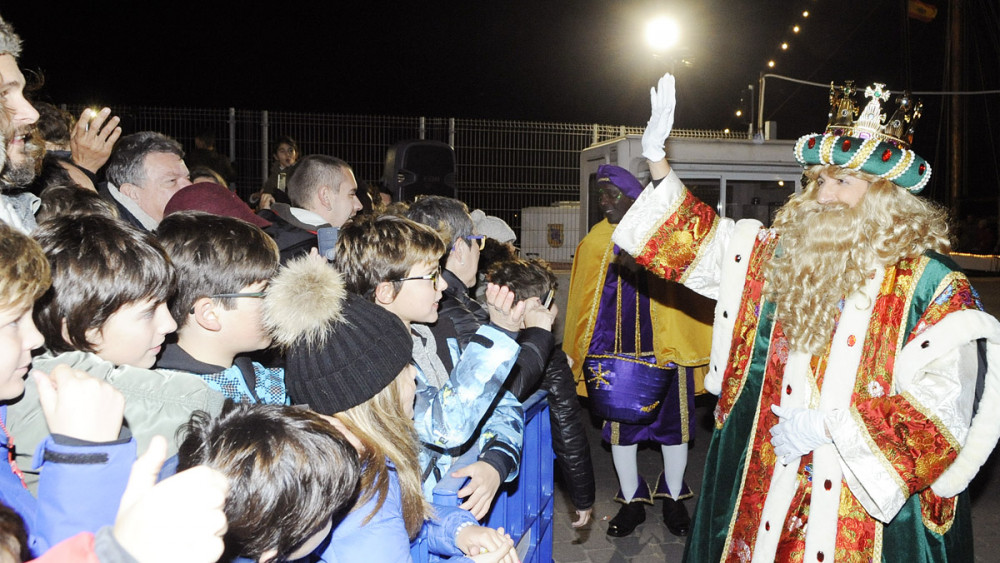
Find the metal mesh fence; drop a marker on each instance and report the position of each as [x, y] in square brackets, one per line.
[502, 166]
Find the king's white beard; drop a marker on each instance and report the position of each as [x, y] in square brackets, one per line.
[821, 246]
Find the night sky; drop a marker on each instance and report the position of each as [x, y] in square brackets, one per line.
[580, 61]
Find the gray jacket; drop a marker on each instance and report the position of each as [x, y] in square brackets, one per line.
[155, 403]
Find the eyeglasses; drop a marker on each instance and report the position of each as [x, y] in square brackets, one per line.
[480, 238]
[256, 294]
[432, 277]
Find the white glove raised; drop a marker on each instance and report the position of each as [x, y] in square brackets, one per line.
[798, 432]
[662, 101]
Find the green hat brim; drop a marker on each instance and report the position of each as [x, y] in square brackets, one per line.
[902, 167]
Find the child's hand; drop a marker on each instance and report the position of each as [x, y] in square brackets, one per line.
[503, 312]
[189, 505]
[538, 316]
[266, 200]
[484, 481]
[486, 544]
[79, 406]
[508, 555]
[315, 256]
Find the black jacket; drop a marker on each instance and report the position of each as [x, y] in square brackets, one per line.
[464, 312]
[540, 364]
[124, 214]
[293, 237]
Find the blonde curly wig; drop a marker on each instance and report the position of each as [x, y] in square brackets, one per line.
[827, 251]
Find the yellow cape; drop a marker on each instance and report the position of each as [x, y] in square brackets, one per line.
[682, 319]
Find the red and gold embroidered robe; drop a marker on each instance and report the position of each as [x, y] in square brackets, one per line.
[898, 379]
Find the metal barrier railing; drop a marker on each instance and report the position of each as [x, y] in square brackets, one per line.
[523, 507]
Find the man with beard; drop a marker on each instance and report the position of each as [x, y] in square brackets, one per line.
[615, 307]
[856, 371]
[21, 151]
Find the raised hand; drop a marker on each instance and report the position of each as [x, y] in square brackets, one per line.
[80, 406]
[662, 101]
[93, 138]
[538, 316]
[503, 311]
[181, 518]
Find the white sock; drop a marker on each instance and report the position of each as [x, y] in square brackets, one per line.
[627, 468]
[675, 459]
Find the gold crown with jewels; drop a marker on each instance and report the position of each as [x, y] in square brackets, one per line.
[870, 142]
[872, 123]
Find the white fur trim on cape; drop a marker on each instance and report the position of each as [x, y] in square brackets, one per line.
[839, 380]
[732, 276]
[954, 330]
[838, 386]
[704, 277]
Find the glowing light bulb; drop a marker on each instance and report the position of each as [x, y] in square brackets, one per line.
[805, 14]
[784, 46]
[739, 113]
[796, 29]
[770, 64]
[662, 33]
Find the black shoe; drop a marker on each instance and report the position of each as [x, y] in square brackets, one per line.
[629, 516]
[675, 516]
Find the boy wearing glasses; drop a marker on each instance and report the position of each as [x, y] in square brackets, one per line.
[451, 219]
[453, 222]
[224, 265]
[395, 263]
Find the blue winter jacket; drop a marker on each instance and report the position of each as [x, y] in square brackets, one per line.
[447, 417]
[384, 537]
[79, 489]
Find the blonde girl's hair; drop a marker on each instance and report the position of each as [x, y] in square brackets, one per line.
[386, 432]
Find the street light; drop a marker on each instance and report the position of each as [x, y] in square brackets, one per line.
[662, 33]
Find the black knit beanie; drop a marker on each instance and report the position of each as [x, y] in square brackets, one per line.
[340, 349]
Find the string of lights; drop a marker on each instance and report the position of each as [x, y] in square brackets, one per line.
[920, 93]
[796, 29]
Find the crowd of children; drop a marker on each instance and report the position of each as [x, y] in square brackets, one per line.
[329, 445]
[162, 342]
[287, 405]
[167, 324]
